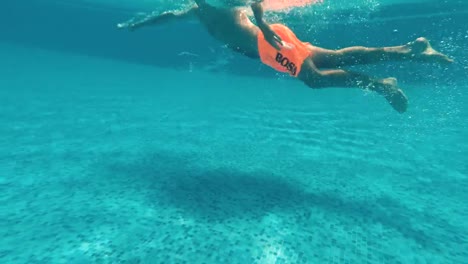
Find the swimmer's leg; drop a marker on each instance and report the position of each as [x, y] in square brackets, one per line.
[419, 50]
[315, 78]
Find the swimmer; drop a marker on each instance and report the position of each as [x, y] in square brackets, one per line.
[278, 47]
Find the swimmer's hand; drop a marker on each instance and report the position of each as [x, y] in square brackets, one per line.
[126, 25]
[271, 37]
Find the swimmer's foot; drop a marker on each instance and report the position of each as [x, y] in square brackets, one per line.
[394, 95]
[391, 81]
[421, 50]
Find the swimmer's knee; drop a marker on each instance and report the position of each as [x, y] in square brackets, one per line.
[315, 79]
[310, 74]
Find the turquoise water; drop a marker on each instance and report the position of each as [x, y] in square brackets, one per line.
[115, 154]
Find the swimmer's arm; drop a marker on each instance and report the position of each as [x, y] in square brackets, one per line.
[257, 9]
[156, 19]
[268, 33]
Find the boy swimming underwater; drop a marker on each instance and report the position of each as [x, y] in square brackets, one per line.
[278, 47]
